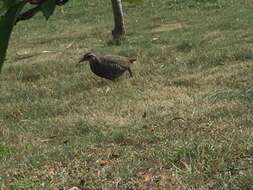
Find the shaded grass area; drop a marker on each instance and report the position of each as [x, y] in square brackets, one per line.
[183, 122]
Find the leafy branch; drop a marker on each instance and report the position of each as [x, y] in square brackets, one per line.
[11, 12]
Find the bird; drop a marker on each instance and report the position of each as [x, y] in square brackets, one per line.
[108, 66]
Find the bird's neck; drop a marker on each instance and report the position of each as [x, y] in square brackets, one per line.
[96, 60]
[95, 64]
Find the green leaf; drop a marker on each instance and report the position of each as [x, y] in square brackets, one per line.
[10, 3]
[7, 21]
[48, 8]
[2, 5]
[2, 8]
[7, 4]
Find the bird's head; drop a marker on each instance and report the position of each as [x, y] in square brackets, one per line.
[88, 57]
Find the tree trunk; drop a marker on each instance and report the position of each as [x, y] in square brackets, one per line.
[119, 28]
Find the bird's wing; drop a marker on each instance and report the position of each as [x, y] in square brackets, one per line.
[119, 60]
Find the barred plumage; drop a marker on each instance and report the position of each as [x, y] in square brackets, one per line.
[108, 66]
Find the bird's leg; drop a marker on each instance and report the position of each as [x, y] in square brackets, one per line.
[130, 72]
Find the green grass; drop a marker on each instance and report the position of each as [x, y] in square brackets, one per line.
[184, 121]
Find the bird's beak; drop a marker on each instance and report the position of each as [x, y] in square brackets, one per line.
[80, 62]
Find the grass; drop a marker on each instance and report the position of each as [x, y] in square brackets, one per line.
[183, 122]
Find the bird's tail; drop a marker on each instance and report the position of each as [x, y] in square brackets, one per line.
[132, 60]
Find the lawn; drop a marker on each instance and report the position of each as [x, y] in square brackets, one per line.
[184, 121]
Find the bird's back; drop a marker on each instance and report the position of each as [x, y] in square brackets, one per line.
[119, 60]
